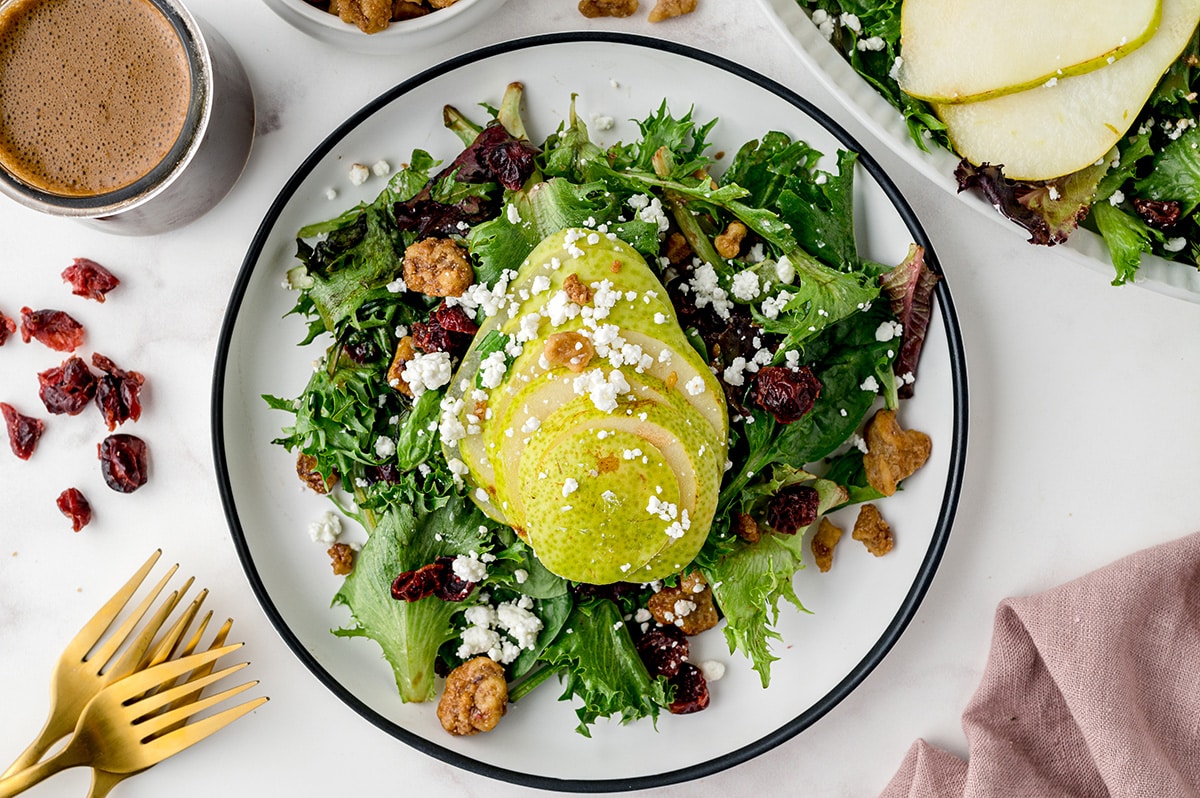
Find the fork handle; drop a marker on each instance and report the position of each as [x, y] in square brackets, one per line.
[69, 757]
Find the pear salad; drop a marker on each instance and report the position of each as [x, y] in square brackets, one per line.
[589, 402]
[1064, 114]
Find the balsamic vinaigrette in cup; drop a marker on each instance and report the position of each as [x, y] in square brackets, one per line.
[93, 93]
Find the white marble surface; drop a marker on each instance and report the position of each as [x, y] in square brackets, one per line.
[1083, 445]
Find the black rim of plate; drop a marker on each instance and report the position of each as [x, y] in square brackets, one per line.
[907, 608]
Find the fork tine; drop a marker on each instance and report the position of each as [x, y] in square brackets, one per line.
[175, 741]
[105, 651]
[95, 628]
[135, 684]
[152, 703]
[169, 645]
[178, 716]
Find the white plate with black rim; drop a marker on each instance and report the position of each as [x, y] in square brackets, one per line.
[857, 610]
[887, 124]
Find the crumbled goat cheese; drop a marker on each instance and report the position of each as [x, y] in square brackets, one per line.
[745, 285]
[326, 529]
[602, 122]
[888, 330]
[733, 373]
[773, 306]
[381, 168]
[870, 384]
[707, 290]
[712, 669]
[359, 174]
[1175, 244]
[1116, 198]
[427, 372]
[695, 386]
[569, 487]
[384, 446]
[469, 568]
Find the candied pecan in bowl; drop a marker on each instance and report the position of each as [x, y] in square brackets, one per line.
[475, 698]
[893, 453]
[23, 431]
[89, 279]
[74, 505]
[873, 531]
[608, 8]
[437, 267]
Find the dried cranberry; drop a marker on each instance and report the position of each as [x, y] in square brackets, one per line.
[691, 690]
[67, 388]
[432, 338]
[386, 472]
[123, 462]
[23, 431]
[54, 328]
[7, 328]
[361, 351]
[435, 579]
[454, 319]
[74, 505]
[663, 650]
[793, 508]
[1159, 214]
[118, 392]
[89, 279]
[788, 395]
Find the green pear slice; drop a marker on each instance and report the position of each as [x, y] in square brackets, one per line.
[1051, 131]
[956, 51]
[618, 457]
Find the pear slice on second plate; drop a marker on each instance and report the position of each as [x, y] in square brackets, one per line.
[956, 51]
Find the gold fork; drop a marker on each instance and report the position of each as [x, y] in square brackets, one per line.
[102, 780]
[89, 663]
[128, 726]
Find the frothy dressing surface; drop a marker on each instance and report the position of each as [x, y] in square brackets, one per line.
[93, 93]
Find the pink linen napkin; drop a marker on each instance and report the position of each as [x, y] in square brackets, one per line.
[1091, 689]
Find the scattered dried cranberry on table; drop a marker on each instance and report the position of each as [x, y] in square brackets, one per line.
[67, 388]
[74, 505]
[54, 328]
[89, 279]
[123, 462]
[23, 431]
[7, 328]
[118, 392]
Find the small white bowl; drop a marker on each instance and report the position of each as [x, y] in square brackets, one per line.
[433, 28]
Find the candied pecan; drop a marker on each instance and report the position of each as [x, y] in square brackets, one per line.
[823, 544]
[1159, 214]
[607, 8]
[67, 388]
[475, 698]
[342, 558]
[395, 373]
[123, 462]
[54, 328]
[404, 9]
[74, 505]
[691, 690]
[576, 291]
[437, 267]
[688, 606]
[371, 16]
[873, 531]
[7, 328]
[23, 431]
[892, 453]
[729, 243]
[306, 469]
[746, 528]
[793, 508]
[569, 349]
[663, 649]
[118, 392]
[89, 279]
[678, 250]
[787, 395]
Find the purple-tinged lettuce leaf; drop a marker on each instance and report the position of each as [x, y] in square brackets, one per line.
[909, 289]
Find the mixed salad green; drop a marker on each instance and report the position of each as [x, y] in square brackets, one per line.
[797, 294]
[1142, 198]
